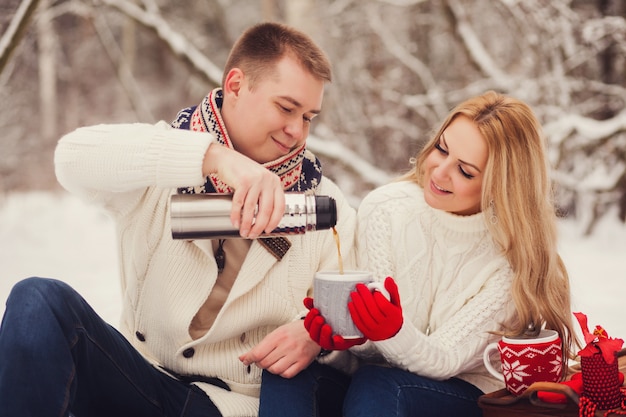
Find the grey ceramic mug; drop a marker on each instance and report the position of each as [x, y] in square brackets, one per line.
[331, 293]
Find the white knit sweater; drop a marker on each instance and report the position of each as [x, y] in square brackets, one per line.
[454, 284]
[132, 170]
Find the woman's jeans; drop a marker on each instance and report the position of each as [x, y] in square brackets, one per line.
[57, 357]
[317, 391]
[373, 391]
[380, 391]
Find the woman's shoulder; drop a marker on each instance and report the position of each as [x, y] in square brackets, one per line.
[400, 191]
[393, 200]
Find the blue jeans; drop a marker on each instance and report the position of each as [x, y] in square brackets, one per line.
[317, 391]
[57, 357]
[380, 391]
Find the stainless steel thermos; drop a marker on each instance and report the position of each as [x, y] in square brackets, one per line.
[207, 216]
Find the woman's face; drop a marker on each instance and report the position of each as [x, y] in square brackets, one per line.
[454, 169]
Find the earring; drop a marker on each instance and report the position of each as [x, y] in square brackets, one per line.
[493, 218]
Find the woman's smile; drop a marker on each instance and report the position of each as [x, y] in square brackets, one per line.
[438, 190]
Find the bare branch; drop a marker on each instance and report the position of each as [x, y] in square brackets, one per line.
[402, 2]
[151, 6]
[601, 179]
[16, 30]
[475, 48]
[123, 71]
[590, 130]
[354, 162]
[434, 91]
[179, 44]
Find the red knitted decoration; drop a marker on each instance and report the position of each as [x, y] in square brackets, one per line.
[587, 408]
[601, 381]
[600, 372]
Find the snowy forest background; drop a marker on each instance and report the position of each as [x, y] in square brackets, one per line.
[399, 67]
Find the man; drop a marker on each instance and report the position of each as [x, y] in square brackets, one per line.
[197, 332]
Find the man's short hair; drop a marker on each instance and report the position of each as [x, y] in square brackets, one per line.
[260, 47]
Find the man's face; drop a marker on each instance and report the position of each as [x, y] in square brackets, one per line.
[273, 118]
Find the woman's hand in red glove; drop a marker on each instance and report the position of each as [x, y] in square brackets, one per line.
[322, 333]
[373, 314]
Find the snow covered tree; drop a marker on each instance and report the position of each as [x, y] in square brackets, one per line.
[399, 67]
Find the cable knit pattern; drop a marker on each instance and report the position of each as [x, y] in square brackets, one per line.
[132, 170]
[454, 284]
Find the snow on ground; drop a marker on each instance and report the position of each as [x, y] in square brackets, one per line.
[58, 236]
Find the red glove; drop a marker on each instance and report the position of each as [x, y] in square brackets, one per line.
[322, 333]
[575, 383]
[375, 316]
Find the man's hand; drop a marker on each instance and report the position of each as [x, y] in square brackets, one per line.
[285, 351]
[254, 185]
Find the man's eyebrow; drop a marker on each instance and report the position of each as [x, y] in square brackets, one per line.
[443, 139]
[298, 104]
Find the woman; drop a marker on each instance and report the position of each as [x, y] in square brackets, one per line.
[469, 234]
[469, 237]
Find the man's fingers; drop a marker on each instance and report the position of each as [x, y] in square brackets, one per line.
[278, 210]
[264, 214]
[256, 210]
[251, 222]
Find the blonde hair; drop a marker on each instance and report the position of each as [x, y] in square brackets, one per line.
[261, 46]
[517, 201]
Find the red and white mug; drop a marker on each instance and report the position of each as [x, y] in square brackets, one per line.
[526, 360]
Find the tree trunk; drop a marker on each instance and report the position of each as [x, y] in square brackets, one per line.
[46, 40]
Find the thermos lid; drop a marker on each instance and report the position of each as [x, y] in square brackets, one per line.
[325, 212]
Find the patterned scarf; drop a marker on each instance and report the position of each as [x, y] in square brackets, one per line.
[300, 170]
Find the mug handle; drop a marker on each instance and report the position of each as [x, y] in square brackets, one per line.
[487, 360]
[378, 286]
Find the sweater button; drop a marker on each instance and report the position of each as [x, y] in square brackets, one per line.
[140, 336]
[189, 352]
[242, 338]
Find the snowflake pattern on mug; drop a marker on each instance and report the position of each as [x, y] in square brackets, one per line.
[514, 370]
[523, 365]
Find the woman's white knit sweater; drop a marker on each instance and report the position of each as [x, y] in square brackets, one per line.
[132, 170]
[454, 283]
